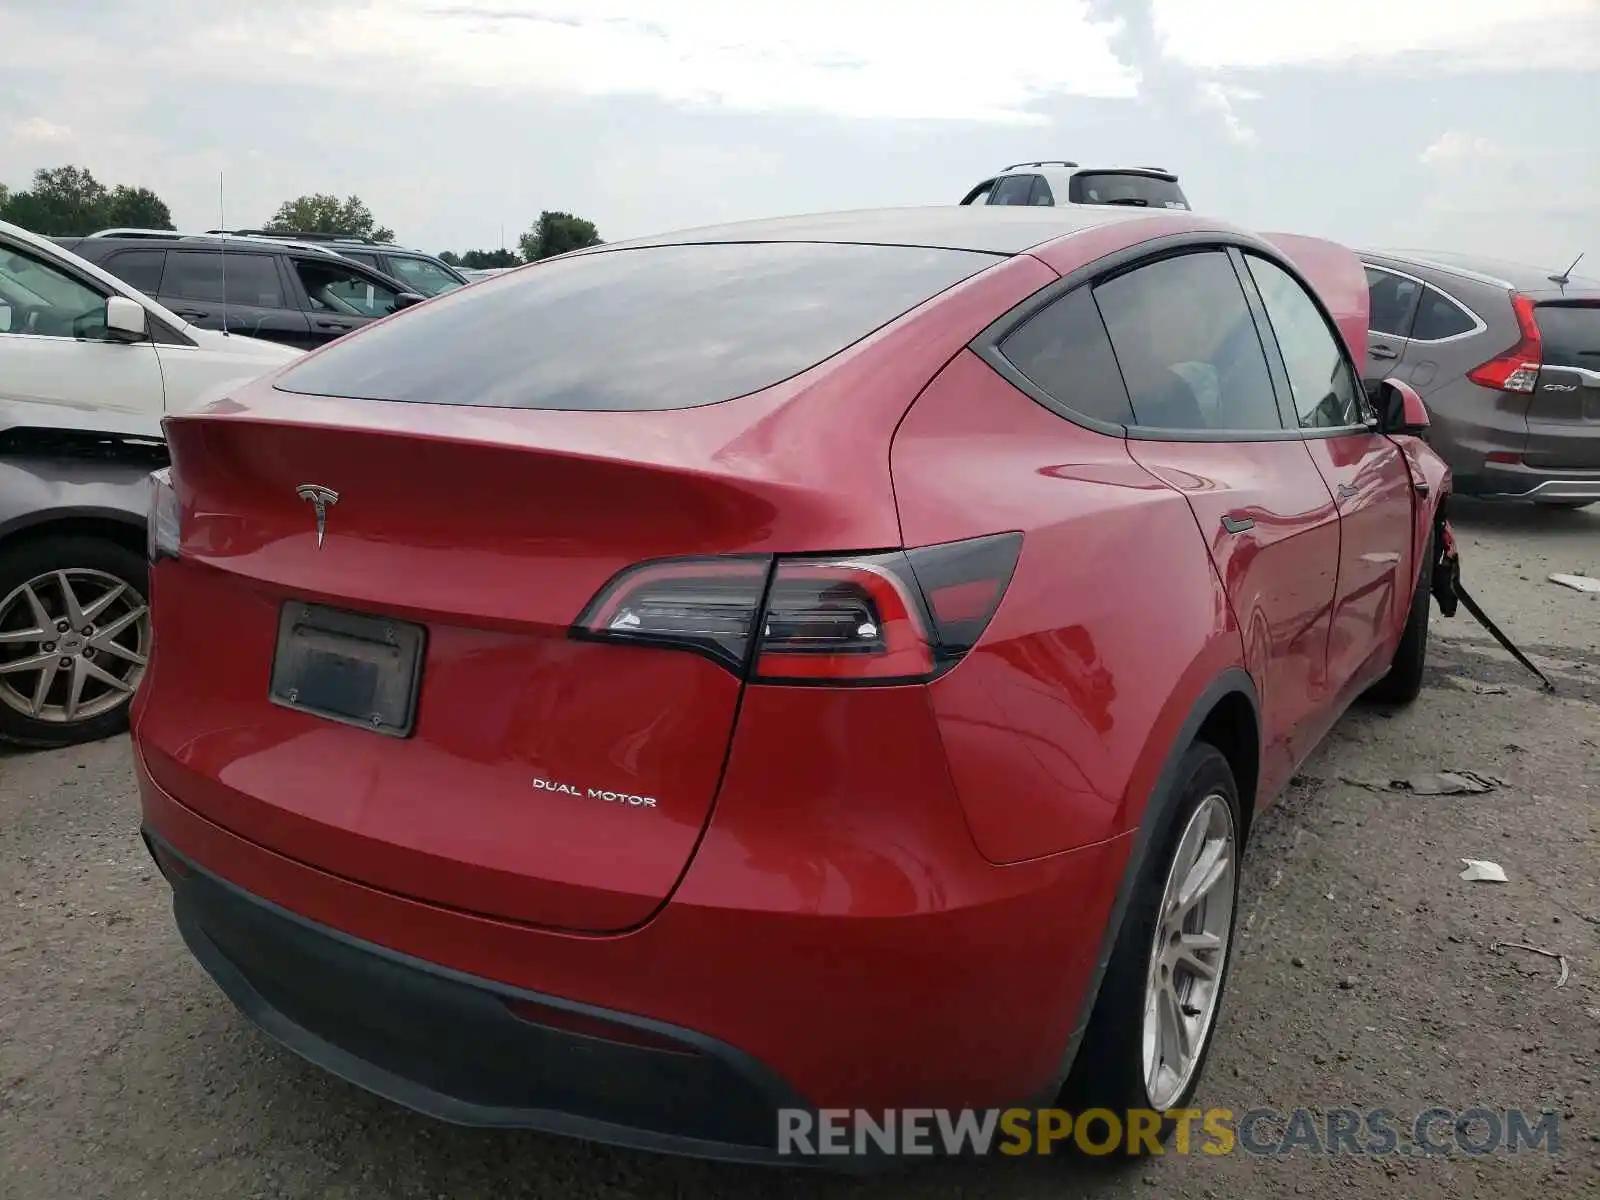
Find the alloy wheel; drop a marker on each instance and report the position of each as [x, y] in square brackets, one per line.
[73, 645]
[1194, 926]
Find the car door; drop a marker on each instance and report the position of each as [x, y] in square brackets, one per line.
[339, 296]
[1208, 423]
[1365, 471]
[240, 291]
[59, 364]
[424, 277]
[1391, 307]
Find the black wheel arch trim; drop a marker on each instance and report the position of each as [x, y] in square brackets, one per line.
[1156, 817]
[36, 524]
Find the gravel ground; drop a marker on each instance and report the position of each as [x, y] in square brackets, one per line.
[1366, 975]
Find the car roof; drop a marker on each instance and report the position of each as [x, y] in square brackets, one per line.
[1497, 272]
[1000, 230]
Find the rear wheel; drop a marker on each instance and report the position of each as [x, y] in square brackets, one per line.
[74, 639]
[1153, 1021]
[1403, 683]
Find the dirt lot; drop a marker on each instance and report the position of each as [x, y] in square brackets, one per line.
[1366, 975]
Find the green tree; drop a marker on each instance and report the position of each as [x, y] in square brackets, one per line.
[450, 257]
[556, 233]
[478, 260]
[5, 198]
[63, 201]
[137, 208]
[324, 213]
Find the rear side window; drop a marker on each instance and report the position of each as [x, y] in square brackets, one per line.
[139, 269]
[654, 328]
[1065, 353]
[1114, 187]
[252, 279]
[1188, 346]
[1439, 317]
[1323, 385]
[1570, 333]
[1013, 189]
[1391, 301]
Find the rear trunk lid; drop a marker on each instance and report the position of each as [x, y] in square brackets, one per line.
[1564, 411]
[539, 777]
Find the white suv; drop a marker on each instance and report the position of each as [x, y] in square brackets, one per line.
[1050, 182]
[80, 349]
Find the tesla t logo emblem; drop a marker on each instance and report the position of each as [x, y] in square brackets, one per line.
[322, 499]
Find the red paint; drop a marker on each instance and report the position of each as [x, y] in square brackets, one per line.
[884, 856]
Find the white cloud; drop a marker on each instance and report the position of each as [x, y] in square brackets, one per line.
[1485, 35]
[1221, 97]
[37, 129]
[841, 57]
[1455, 148]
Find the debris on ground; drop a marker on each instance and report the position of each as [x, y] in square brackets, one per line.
[1561, 959]
[1578, 583]
[1478, 870]
[1442, 783]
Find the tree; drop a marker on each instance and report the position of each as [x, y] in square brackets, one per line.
[324, 213]
[479, 260]
[450, 258]
[556, 233]
[137, 208]
[69, 201]
[63, 201]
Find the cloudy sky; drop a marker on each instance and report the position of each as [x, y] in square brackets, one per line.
[1452, 124]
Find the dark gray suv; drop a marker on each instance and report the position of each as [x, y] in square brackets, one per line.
[1507, 358]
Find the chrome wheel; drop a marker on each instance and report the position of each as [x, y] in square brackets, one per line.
[1193, 928]
[73, 645]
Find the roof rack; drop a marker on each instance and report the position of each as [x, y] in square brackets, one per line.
[133, 232]
[1042, 162]
[222, 234]
[297, 236]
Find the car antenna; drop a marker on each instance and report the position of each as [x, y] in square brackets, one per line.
[222, 222]
[1566, 276]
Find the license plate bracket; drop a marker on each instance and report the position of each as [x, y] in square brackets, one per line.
[354, 668]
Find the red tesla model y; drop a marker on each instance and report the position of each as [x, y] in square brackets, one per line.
[830, 662]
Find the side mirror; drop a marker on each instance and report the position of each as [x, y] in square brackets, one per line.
[126, 319]
[1400, 409]
[407, 299]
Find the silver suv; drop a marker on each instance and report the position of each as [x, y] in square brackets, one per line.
[1049, 182]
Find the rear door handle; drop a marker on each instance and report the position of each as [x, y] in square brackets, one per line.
[333, 325]
[1237, 524]
[1383, 352]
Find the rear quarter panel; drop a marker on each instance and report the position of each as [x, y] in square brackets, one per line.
[1055, 726]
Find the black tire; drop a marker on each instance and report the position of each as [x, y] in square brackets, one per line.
[1403, 683]
[27, 560]
[1109, 1069]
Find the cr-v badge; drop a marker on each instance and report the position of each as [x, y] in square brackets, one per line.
[321, 499]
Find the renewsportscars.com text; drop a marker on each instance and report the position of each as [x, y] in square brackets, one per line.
[1262, 1132]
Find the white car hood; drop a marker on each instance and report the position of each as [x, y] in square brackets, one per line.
[256, 351]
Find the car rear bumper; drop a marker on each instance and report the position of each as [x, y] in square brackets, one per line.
[1517, 481]
[845, 980]
[453, 1047]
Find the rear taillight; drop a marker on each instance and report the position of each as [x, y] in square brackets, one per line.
[161, 537]
[1517, 370]
[897, 617]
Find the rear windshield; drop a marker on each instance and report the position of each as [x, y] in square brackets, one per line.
[634, 330]
[1570, 333]
[1112, 187]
